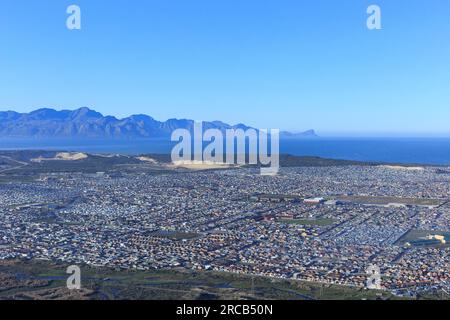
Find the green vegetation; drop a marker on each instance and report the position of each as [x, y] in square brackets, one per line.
[106, 283]
[417, 237]
[388, 200]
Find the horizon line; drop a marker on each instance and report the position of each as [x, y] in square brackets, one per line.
[323, 133]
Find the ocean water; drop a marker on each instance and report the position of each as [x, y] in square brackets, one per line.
[399, 150]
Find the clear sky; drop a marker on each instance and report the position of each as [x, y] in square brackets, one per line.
[292, 65]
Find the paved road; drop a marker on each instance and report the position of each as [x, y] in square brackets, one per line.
[22, 164]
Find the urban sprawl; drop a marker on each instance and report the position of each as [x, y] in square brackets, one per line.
[319, 224]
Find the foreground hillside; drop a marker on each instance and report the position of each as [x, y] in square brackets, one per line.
[47, 280]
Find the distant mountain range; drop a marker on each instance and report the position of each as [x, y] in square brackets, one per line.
[87, 123]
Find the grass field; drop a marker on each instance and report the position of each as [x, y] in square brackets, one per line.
[110, 284]
[388, 200]
[418, 235]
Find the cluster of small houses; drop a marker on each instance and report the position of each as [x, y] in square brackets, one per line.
[234, 221]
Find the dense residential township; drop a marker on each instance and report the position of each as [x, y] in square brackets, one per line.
[321, 224]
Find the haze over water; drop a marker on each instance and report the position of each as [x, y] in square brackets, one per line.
[398, 150]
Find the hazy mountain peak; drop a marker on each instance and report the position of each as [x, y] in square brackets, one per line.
[85, 112]
[88, 123]
[305, 134]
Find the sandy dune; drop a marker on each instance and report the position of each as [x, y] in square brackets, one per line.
[147, 159]
[200, 165]
[403, 168]
[63, 156]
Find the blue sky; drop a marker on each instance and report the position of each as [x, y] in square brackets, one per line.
[292, 65]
